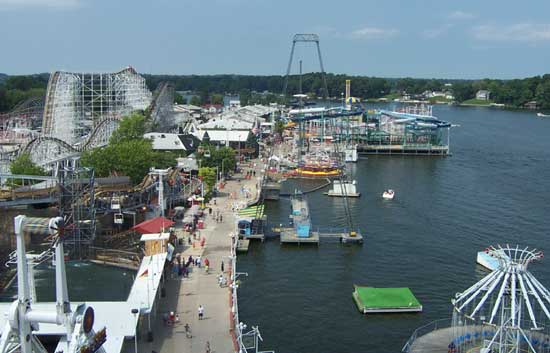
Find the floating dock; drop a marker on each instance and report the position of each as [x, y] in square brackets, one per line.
[290, 236]
[271, 191]
[242, 245]
[344, 237]
[385, 300]
[345, 189]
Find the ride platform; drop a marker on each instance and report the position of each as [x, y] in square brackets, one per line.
[385, 300]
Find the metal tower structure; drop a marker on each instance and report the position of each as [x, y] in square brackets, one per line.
[507, 310]
[77, 207]
[306, 38]
[77, 102]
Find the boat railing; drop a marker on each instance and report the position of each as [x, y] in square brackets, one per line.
[422, 330]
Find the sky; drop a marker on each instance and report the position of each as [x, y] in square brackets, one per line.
[465, 39]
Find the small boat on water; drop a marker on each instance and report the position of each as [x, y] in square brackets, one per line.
[541, 115]
[388, 194]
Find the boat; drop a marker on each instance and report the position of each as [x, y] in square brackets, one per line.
[343, 189]
[388, 194]
[541, 115]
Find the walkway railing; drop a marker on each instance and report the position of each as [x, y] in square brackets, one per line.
[248, 341]
[422, 330]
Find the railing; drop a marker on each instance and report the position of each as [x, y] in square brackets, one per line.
[422, 330]
[237, 326]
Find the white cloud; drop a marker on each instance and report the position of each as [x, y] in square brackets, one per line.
[58, 4]
[373, 33]
[437, 32]
[461, 15]
[521, 32]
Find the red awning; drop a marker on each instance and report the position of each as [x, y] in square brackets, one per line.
[155, 225]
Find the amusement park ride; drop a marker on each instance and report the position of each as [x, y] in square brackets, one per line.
[25, 317]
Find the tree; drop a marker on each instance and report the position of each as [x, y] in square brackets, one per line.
[208, 175]
[463, 91]
[245, 97]
[128, 152]
[130, 128]
[195, 100]
[216, 98]
[223, 158]
[25, 166]
[279, 127]
[179, 99]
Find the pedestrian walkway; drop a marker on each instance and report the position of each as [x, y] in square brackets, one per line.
[184, 295]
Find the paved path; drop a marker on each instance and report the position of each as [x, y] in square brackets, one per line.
[185, 295]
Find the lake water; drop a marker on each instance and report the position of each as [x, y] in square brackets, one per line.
[86, 281]
[494, 189]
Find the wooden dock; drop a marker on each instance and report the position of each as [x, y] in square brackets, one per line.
[288, 236]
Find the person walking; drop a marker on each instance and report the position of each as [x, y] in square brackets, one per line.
[222, 266]
[201, 312]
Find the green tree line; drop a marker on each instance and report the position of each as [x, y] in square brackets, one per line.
[211, 88]
[16, 89]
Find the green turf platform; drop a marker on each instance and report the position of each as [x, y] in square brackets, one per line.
[385, 300]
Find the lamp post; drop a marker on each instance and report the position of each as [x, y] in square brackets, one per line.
[135, 312]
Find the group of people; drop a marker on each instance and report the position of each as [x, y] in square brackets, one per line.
[181, 268]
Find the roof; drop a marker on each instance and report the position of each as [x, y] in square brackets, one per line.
[155, 236]
[167, 141]
[155, 225]
[226, 123]
[186, 107]
[224, 135]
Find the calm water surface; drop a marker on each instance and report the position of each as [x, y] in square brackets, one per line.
[494, 189]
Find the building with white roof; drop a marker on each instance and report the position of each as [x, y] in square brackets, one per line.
[173, 142]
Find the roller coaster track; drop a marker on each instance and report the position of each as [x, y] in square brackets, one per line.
[46, 149]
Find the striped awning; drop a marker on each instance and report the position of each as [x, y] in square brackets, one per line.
[252, 211]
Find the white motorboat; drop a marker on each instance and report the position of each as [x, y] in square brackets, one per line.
[388, 194]
[541, 115]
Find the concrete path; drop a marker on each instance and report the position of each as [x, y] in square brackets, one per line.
[184, 296]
